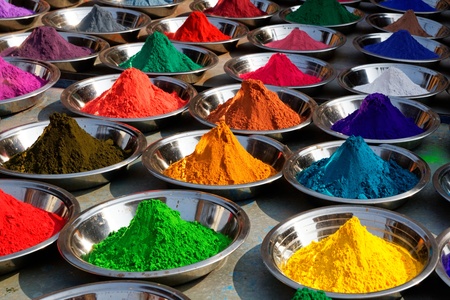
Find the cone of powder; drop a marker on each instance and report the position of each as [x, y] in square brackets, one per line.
[99, 20]
[235, 9]
[297, 40]
[8, 10]
[415, 5]
[408, 22]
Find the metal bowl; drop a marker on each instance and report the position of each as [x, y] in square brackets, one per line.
[436, 30]
[439, 5]
[443, 240]
[57, 4]
[334, 39]
[332, 111]
[114, 56]
[271, 8]
[40, 7]
[79, 64]
[441, 181]
[66, 20]
[305, 157]
[160, 154]
[440, 49]
[42, 69]
[345, 28]
[313, 225]
[207, 101]
[154, 11]
[18, 139]
[231, 28]
[352, 3]
[94, 224]
[433, 81]
[41, 195]
[237, 66]
[79, 93]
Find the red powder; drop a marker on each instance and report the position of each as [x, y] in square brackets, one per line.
[280, 71]
[133, 95]
[235, 9]
[297, 40]
[197, 28]
[23, 226]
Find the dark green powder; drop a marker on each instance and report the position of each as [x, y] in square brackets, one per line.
[308, 294]
[322, 12]
[158, 55]
[157, 239]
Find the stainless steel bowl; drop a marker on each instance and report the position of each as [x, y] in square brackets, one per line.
[239, 65]
[439, 5]
[75, 96]
[207, 101]
[231, 28]
[441, 181]
[305, 157]
[42, 69]
[271, 8]
[334, 39]
[94, 224]
[344, 28]
[160, 154]
[57, 4]
[80, 64]
[332, 111]
[154, 11]
[313, 225]
[40, 195]
[436, 30]
[40, 7]
[443, 240]
[117, 289]
[352, 3]
[18, 139]
[440, 49]
[66, 20]
[114, 56]
[434, 82]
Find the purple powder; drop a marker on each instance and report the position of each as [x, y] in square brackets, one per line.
[45, 43]
[446, 263]
[377, 119]
[8, 10]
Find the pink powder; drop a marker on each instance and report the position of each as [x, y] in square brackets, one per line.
[297, 40]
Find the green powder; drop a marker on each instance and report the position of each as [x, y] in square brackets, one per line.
[158, 55]
[308, 294]
[157, 239]
[321, 12]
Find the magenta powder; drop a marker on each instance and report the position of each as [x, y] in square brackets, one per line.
[377, 118]
[15, 82]
[8, 10]
[297, 40]
[45, 43]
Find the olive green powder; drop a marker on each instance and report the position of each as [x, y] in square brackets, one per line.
[157, 239]
[63, 148]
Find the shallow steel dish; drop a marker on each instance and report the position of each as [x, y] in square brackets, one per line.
[79, 64]
[305, 157]
[231, 28]
[41, 69]
[159, 155]
[18, 139]
[57, 4]
[94, 224]
[439, 5]
[443, 240]
[114, 56]
[40, 7]
[441, 181]
[334, 39]
[41, 195]
[154, 11]
[75, 96]
[313, 225]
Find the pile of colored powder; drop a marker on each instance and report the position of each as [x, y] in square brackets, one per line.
[16, 82]
[392, 82]
[157, 238]
[197, 28]
[408, 21]
[8, 10]
[159, 55]
[63, 148]
[133, 95]
[377, 118]
[235, 9]
[254, 107]
[297, 39]
[354, 171]
[401, 44]
[446, 263]
[45, 43]
[99, 19]
[415, 5]
[308, 294]
[147, 2]
[280, 71]
[322, 12]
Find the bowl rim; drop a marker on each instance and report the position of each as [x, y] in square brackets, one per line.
[442, 239]
[193, 6]
[441, 171]
[45, 7]
[446, 6]
[149, 7]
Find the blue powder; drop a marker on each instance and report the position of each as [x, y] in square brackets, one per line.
[415, 5]
[147, 2]
[446, 263]
[401, 45]
[354, 171]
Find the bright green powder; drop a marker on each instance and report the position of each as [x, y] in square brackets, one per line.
[158, 55]
[308, 294]
[157, 239]
[322, 12]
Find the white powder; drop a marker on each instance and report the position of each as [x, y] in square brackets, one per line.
[392, 82]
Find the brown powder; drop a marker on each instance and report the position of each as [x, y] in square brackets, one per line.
[408, 22]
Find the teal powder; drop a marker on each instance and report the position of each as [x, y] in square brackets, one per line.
[354, 171]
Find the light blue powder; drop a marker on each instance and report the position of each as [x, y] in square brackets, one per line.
[147, 2]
